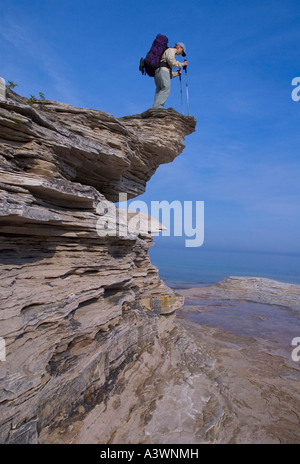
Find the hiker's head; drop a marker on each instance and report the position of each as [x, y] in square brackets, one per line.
[180, 47]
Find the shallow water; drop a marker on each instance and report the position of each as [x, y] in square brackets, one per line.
[275, 324]
[258, 382]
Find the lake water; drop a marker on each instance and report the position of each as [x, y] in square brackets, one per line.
[200, 265]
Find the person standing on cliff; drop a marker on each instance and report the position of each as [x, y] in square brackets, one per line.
[164, 74]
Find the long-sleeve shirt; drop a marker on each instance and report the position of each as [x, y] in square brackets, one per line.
[169, 57]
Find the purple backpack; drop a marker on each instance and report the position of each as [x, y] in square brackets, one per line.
[151, 62]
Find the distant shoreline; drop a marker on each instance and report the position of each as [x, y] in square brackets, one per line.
[186, 285]
[252, 289]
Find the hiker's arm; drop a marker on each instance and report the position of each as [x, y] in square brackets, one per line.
[172, 62]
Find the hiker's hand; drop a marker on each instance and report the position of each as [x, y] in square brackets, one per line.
[185, 63]
[179, 72]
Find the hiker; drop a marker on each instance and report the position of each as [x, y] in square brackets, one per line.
[164, 74]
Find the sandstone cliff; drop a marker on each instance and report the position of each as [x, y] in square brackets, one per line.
[77, 307]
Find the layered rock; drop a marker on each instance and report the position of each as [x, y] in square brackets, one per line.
[80, 301]
[253, 289]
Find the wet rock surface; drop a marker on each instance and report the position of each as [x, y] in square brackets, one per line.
[243, 385]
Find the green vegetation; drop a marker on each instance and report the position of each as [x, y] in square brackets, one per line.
[31, 100]
[18, 121]
[11, 85]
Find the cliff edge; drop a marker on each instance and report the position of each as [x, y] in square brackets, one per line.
[77, 306]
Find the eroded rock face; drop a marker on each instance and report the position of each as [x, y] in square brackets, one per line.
[91, 147]
[77, 307]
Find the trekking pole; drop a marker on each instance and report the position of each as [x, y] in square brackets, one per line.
[187, 90]
[181, 93]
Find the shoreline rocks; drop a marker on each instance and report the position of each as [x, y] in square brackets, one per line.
[257, 289]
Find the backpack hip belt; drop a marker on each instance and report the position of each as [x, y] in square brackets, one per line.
[164, 64]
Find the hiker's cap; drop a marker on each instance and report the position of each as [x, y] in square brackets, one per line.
[181, 44]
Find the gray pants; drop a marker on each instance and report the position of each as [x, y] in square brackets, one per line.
[163, 87]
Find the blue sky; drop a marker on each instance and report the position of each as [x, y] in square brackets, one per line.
[243, 160]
